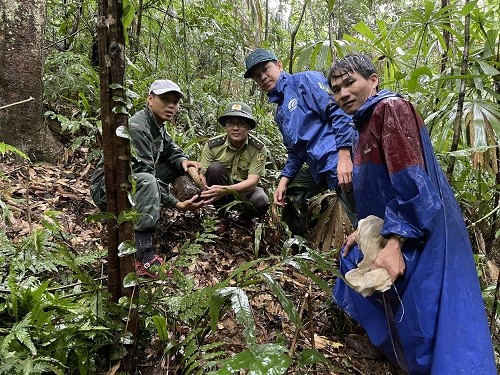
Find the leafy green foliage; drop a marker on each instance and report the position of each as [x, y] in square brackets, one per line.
[55, 318]
[202, 46]
[5, 149]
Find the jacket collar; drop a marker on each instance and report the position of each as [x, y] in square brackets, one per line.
[365, 111]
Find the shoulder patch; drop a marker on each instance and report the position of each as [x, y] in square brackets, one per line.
[217, 141]
[255, 142]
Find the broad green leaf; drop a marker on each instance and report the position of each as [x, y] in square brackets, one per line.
[310, 356]
[130, 280]
[468, 7]
[160, 323]
[279, 293]
[123, 132]
[128, 15]
[115, 86]
[126, 248]
[243, 311]
[120, 109]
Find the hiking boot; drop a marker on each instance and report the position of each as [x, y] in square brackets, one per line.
[145, 269]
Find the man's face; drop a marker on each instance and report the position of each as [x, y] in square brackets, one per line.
[266, 74]
[351, 90]
[237, 129]
[164, 106]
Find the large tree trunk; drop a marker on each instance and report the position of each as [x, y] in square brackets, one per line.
[21, 45]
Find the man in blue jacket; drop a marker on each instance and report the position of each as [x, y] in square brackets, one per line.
[315, 131]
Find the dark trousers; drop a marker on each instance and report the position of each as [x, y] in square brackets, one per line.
[253, 203]
[298, 193]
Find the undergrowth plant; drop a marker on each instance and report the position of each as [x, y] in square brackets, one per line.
[185, 316]
[55, 317]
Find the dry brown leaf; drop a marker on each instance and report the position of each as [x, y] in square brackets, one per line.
[322, 342]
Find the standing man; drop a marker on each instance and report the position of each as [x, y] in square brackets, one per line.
[156, 162]
[315, 132]
[434, 312]
[234, 162]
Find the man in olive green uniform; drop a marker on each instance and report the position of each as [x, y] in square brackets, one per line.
[156, 162]
[234, 162]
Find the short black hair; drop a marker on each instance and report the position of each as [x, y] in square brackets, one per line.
[354, 63]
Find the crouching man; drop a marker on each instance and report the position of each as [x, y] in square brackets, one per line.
[156, 162]
[233, 163]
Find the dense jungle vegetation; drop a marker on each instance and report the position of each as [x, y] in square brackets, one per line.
[242, 303]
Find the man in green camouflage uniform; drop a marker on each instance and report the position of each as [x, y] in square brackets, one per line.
[156, 162]
[234, 162]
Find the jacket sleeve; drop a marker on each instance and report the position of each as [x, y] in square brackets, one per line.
[172, 154]
[206, 158]
[142, 150]
[317, 97]
[342, 125]
[292, 166]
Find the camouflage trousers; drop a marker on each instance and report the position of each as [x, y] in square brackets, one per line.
[151, 191]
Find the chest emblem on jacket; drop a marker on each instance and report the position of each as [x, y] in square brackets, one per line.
[292, 105]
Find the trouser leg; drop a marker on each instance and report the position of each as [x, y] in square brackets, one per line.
[147, 203]
[298, 193]
[259, 201]
[98, 194]
[347, 200]
[217, 174]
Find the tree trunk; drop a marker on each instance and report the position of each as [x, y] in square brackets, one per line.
[116, 152]
[457, 124]
[21, 64]
[294, 34]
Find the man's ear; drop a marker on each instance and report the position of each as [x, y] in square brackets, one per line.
[374, 82]
[279, 63]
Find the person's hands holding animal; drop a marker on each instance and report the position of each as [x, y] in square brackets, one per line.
[190, 163]
[214, 193]
[191, 204]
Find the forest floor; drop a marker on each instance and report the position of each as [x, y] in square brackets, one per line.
[65, 187]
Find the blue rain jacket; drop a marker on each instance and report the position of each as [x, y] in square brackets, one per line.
[312, 125]
[438, 308]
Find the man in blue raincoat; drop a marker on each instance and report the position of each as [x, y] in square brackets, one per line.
[434, 311]
[315, 131]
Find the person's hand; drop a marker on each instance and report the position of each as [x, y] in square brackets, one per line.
[344, 169]
[191, 204]
[214, 193]
[391, 258]
[191, 163]
[280, 193]
[349, 243]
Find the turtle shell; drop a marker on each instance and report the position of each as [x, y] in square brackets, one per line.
[184, 188]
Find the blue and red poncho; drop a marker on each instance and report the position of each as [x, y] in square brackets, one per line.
[438, 307]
